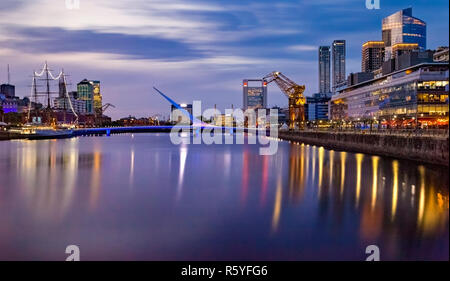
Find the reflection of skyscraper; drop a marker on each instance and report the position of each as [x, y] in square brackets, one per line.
[338, 50]
[402, 27]
[255, 97]
[324, 69]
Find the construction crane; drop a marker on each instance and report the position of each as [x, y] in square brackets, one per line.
[106, 106]
[294, 92]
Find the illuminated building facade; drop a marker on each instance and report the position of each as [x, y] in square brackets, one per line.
[85, 91]
[178, 116]
[14, 104]
[89, 92]
[62, 104]
[97, 97]
[372, 56]
[402, 27]
[401, 48]
[224, 120]
[417, 95]
[255, 97]
[324, 69]
[317, 106]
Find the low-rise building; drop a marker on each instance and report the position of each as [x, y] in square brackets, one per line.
[416, 95]
[63, 104]
[224, 120]
[359, 77]
[317, 106]
[441, 54]
[14, 104]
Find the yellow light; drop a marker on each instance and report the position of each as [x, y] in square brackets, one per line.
[422, 195]
[394, 188]
[277, 206]
[375, 160]
[321, 158]
[359, 158]
[343, 156]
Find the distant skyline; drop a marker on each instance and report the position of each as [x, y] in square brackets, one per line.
[191, 50]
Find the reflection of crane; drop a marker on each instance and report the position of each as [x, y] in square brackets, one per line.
[295, 95]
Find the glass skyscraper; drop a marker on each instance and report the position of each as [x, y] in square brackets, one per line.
[372, 55]
[402, 27]
[324, 69]
[85, 91]
[338, 51]
[97, 98]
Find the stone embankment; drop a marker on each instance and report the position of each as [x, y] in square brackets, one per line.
[422, 148]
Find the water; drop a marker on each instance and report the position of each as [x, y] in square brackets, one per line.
[139, 197]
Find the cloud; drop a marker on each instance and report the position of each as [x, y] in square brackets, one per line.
[57, 40]
[301, 48]
[157, 18]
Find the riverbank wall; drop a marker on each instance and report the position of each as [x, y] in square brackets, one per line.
[426, 149]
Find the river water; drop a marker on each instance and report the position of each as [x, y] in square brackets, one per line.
[140, 197]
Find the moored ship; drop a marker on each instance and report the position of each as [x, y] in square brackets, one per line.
[30, 131]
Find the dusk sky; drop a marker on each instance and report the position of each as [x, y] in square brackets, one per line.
[190, 50]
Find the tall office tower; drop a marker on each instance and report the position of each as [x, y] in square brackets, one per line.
[338, 51]
[402, 27]
[372, 56]
[324, 69]
[89, 91]
[255, 97]
[97, 97]
[85, 91]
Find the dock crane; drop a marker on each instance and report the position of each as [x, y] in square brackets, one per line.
[106, 106]
[294, 92]
[99, 113]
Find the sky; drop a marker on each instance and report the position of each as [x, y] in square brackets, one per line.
[190, 49]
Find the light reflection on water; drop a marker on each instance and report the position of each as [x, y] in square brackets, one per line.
[141, 197]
